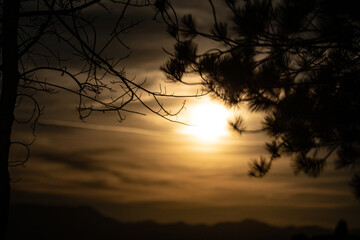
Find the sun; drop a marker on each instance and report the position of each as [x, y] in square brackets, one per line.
[208, 121]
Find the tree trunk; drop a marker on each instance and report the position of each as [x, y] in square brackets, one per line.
[10, 81]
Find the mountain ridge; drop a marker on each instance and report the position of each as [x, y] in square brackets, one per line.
[82, 222]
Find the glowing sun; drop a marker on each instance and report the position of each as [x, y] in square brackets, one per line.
[208, 121]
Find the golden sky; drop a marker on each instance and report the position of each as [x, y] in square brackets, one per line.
[148, 168]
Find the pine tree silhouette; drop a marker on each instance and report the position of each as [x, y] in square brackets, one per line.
[296, 61]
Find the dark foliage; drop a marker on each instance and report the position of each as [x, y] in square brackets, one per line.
[295, 61]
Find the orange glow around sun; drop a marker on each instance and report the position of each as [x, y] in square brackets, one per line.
[209, 121]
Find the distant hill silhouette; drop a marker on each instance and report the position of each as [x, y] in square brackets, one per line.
[70, 223]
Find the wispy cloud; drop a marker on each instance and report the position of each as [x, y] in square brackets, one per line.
[98, 127]
[80, 162]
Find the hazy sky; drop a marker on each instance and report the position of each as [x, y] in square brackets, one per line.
[148, 168]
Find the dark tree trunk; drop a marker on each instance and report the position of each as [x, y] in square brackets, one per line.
[10, 81]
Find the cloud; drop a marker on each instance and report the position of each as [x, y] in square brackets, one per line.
[128, 172]
[75, 161]
[98, 127]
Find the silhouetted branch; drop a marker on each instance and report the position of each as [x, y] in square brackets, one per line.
[297, 62]
[52, 11]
